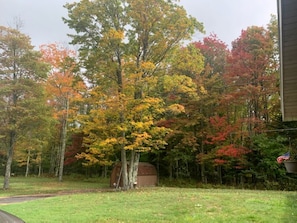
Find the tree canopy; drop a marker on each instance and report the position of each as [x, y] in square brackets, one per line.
[123, 46]
[22, 99]
[139, 88]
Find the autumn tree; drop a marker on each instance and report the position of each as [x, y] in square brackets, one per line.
[64, 88]
[33, 143]
[250, 78]
[274, 102]
[215, 53]
[122, 45]
[248, 97]
[22, 99]
[180, 92]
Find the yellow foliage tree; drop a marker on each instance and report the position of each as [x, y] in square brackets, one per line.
[123, 45]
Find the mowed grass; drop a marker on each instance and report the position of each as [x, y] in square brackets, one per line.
[160, 204]
[43, 185]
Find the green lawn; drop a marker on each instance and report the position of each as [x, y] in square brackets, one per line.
[161, 204]
[42, 185]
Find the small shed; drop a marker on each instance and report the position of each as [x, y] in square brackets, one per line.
[147, 175]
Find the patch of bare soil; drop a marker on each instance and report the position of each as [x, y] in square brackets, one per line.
[18, 199]
[23, 198]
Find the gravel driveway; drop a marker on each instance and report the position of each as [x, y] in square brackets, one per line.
[9, 218]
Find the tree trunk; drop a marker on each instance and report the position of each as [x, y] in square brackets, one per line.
[53, 159]
[63, 142]
[9, 160]
[104, 172]
[124, 169]
[133, 169]
[220, 174]
[176, 169]
[8, 170]
[158, 169]
[39, 166]
[57, 167]
[62, 154]
[28, 163]
[170, 170]
[57, 160]
[12, 134]
[203, 178]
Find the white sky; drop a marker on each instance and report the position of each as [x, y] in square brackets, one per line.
[226, 18]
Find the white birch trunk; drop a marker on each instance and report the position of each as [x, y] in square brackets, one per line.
[133, 169]
[63, 142]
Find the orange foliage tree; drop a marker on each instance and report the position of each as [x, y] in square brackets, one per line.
[65, 89]
[251, 76]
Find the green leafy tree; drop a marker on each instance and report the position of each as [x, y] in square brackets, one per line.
[21, 92]
[180, 91]
[122, 45]
[266, 147]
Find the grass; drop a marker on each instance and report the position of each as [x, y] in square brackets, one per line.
[39, 185]
[161, 204]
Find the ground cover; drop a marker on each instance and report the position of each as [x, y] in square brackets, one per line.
[161, 204]
[45, 185]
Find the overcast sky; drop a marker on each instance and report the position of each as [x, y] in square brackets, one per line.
[226, 18]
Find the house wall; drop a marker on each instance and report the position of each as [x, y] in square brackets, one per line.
[287, 15]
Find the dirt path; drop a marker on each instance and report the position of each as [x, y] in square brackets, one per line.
[18, 199]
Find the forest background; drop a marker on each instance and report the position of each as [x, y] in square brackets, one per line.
[140, 89]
